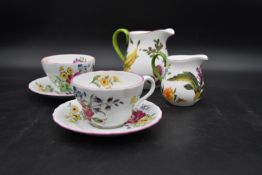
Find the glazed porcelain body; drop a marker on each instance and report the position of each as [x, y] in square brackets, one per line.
[142, 46]
[109, 97]
[183, 82]
[60, 69]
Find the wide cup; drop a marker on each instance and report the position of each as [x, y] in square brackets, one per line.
[109, 97]
[61, 69]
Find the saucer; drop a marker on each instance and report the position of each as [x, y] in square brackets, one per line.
[69, 115]
[44, 86]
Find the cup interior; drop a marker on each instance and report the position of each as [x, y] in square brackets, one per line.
[103, 80]
[67, 59]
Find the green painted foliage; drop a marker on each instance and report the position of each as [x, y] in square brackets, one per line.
[63, 85]
[189, 78]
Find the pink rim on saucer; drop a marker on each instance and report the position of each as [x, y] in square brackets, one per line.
[59, 119]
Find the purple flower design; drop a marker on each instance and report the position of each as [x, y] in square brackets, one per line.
[199, 74]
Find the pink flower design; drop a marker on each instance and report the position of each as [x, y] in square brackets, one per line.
[136, 116]
[69, 79]
[77, 73]
[88, 112]
[159, 69]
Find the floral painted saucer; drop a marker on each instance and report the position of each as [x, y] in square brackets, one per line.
[70, 116]
[43, 86]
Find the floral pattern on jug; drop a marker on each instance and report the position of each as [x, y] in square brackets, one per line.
[183, 83]
[142, 46]
[192, 83]
[105, 81]
[131, 58]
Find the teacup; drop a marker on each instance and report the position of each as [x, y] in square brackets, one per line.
[61, 69]
[109, 97]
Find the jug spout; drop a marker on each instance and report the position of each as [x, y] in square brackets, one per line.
[169, 31]
[200, 57]
[166, 33]
[187, 59]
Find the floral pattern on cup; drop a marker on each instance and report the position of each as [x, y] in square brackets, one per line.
[133, 100]
[80, 60]
[95, 108]
[66, 75]
[105, 81]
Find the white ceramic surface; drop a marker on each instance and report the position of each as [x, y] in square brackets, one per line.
[44, 86]
[62, 68]
[108, 97]
[69, 116]
[183, 83]
[142, 45]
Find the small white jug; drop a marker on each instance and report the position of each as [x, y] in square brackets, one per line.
[183, 83]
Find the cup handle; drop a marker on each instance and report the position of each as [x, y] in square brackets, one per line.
[115, 43]
[153, 64]
[149, 93]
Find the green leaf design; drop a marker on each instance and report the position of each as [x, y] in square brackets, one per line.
[188, 87]
[63, 85]
[95, 78]
[97, 120]
[94, 81]
[156, 50]
[158, 45]
[187, 77]
[97, 84]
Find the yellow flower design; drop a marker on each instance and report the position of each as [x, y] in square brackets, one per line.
[133, 100]
[74, 109]
[168, 93]
[74, 114]
[145, 120]
[40, 87]
[61, 68]
[44, 88]
[70, 70]
[64, 75]
[104, 81]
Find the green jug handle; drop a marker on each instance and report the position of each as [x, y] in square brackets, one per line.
[115, 44]
[153, 64]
